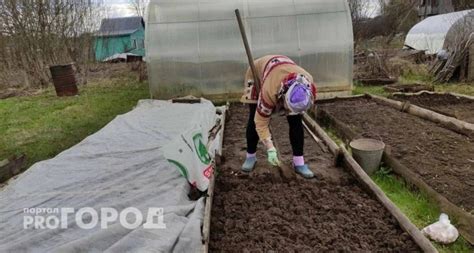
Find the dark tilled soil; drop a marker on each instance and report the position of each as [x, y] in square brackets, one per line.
[442, 158]
[262, 213]
[458, 107]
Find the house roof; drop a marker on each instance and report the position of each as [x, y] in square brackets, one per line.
[120, 26]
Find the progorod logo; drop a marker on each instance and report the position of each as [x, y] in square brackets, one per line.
[88, 218]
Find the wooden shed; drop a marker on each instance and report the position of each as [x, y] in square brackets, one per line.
[120, 36]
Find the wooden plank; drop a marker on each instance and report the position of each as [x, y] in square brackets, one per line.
[331, 94]
[225, 112]
[206, 227]
[318, 141]
[451, 123]
[5, 172]
[433, 93]
[461, 95]
[377, 81]
[313, 126]
[334, 88]
[10, 167]
[328, 100]
[404, 222]
[456, 95]
[416, 93]
[408, 88]
[186, 100]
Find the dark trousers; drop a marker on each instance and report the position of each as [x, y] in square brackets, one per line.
[296, 132]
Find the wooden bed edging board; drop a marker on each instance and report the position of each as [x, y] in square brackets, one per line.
[432, 93]
[206, 224]
[451, 123]
[456, 95]
[464, 220]
[354, 168]
[404, 222]
[312, 125]
[460, 95]
[11, 167]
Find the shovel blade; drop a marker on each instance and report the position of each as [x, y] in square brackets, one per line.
[286, 171]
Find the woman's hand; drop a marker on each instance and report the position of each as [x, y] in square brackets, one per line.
[272, 154]
[273, 157]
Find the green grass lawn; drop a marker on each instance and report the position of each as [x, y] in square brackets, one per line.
[43, 125]
[375, 90]
[461, 88]
[416, 207]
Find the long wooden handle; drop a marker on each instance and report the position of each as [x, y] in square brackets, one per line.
[256, 78]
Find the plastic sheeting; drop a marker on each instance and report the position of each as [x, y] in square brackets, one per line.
[195, 47]
[430, 34]
[120, 166]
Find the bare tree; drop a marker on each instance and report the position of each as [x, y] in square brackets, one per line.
[139, 7]
[399, 15]
[460, 5]
[359, 14]
[38, 33]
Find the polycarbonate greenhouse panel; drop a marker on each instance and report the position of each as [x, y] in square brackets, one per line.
[430, 33]
[194, 46]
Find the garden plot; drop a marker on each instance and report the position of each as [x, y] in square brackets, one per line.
[437, 160]
[443, 158]
[260, 211]
[447, 104]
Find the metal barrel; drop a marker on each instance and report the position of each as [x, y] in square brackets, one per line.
[64, 80]
[368, 153]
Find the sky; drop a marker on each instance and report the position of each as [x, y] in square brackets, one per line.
[121, 8]
[118, 8]
[373, 8]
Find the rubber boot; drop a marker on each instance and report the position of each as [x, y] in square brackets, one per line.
[249, 164]
[304, 171]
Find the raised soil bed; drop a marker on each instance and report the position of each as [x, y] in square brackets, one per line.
[262, 212]
[443, 158]
[446, 104]
[435, 159]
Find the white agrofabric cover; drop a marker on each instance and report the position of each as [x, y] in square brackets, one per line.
[430, 33]
[120, 166]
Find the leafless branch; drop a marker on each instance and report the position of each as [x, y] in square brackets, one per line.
[37, 33]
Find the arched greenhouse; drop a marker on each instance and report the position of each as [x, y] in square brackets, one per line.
[440, 32]
[194, 46]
